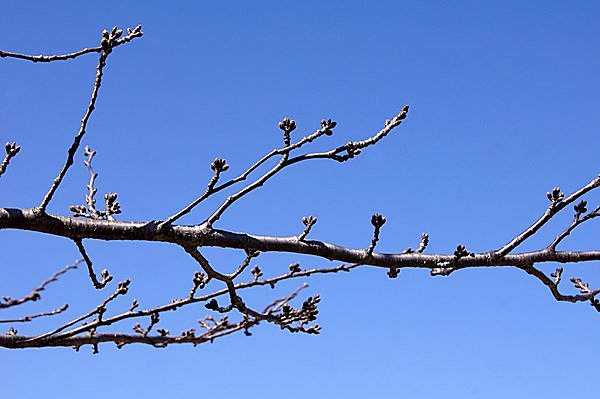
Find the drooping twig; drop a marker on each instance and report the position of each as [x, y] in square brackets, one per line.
[106, 277]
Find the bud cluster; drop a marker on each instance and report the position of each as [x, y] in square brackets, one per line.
[219, 165]
[327, 126]
[555, 196]
[12, 149]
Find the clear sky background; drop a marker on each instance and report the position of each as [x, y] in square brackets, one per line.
[504, 106]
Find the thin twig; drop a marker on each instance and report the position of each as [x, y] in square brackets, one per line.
[12, 149]
[50, 58]
[552, 210]
[107, 46]
[35, 294]
[35, 316]
[106, 277]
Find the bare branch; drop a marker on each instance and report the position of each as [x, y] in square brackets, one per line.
[35, 295]
[557, 203]
[131, 34]
[106, 277]
[577, 220]
[35, 316]
[226, 300]
[308, 222]
[377, 221]
[109, 41]
[326, 129]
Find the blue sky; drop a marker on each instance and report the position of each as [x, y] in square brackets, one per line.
[504, 106]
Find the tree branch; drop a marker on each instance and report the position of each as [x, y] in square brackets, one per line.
[109, 41]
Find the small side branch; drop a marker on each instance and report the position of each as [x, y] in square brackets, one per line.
[326, 129]
[131, 34]
[35, 316]
[377, 221]
[308, 222]
[106, 277]
[557, 203]
[580, 209]
[552, 284]
[218, 166]
[111, 205]
[109, 41]
[35, 295]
